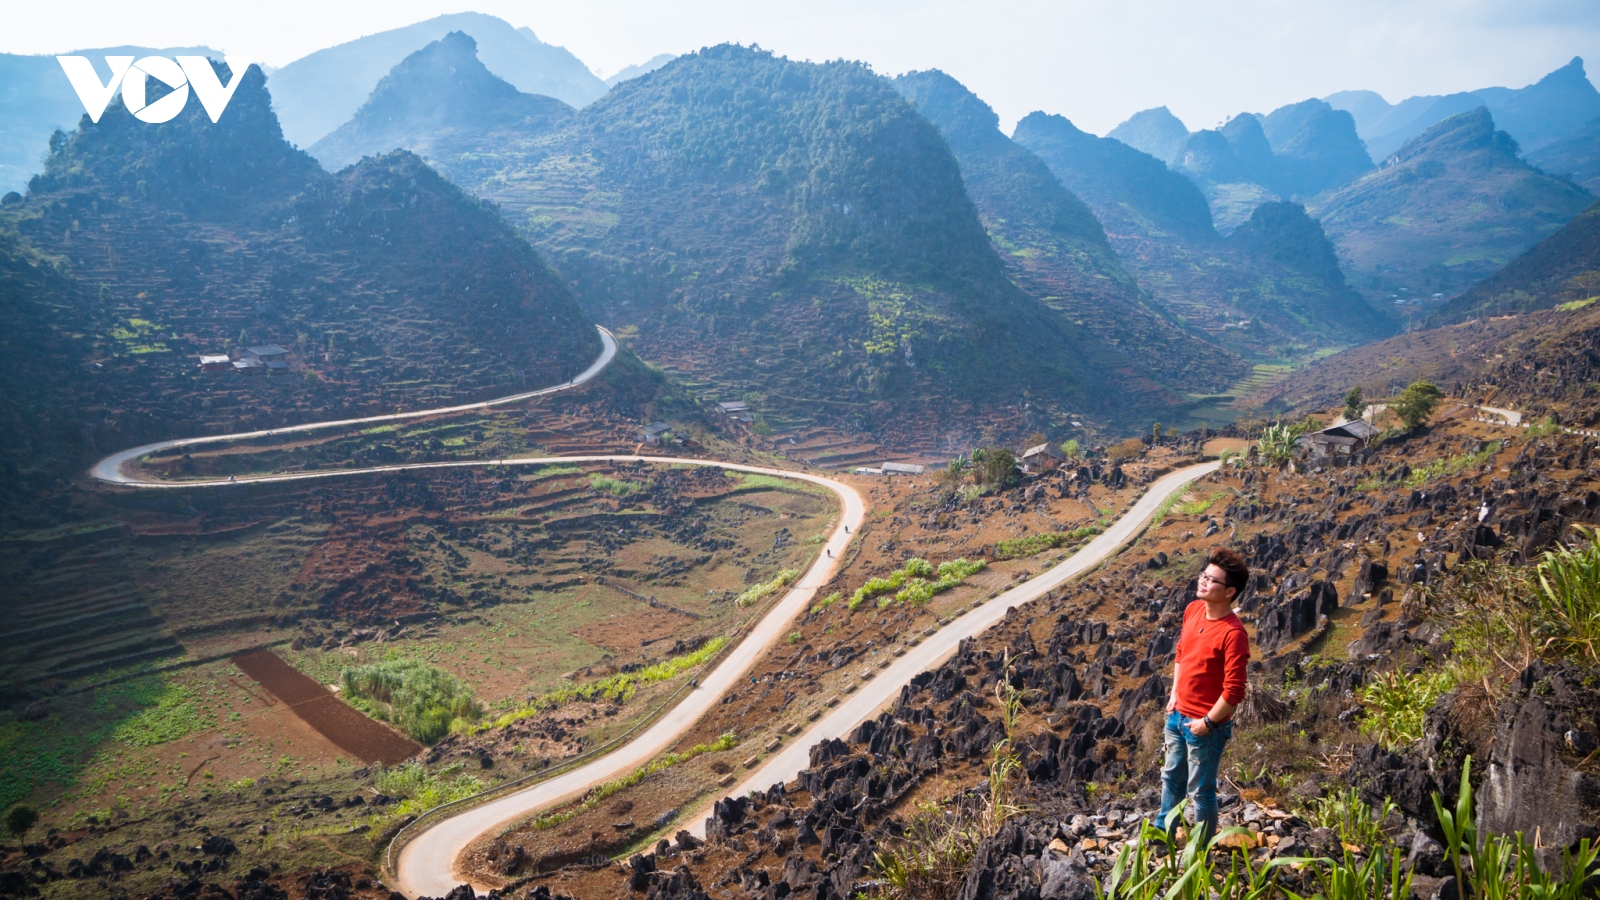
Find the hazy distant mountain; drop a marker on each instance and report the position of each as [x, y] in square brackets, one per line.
[317, 93]
[1556, 105]
[441, 103]
[1563, 267]
[1319, 145]
[1160, 225]
[1296, 151]
[1450, 208]
[644, 68]
[1055, 249]
[36, 99]
[1576, 156]
[1155, 131]
[1130, 191]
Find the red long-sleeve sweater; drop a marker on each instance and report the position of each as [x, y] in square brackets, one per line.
[1212, 657]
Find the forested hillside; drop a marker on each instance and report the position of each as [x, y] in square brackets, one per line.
[1054, 247]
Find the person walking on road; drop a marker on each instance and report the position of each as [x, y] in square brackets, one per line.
[1208, 684]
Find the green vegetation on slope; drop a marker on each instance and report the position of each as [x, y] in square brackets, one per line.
[1450, 208]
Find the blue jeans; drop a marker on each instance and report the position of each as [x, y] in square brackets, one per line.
[1190, 771]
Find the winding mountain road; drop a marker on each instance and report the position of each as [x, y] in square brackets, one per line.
[427, 863]
[111, 469]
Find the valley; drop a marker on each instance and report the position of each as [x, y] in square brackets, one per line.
[453, 473]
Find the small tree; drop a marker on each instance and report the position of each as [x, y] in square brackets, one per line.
[1071, 449]
[1354, 404]
[1155, 433]
[1416, 403]
[996, 467]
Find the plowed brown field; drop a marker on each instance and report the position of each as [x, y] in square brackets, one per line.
[352, 732]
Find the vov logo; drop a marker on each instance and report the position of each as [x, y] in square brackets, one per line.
[132, 77]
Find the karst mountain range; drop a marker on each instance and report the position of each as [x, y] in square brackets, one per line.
[832, 246]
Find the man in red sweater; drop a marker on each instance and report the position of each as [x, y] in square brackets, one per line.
[1208, 683]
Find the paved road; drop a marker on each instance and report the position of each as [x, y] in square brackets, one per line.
[427, 863]
[111, 468]
[785, 765]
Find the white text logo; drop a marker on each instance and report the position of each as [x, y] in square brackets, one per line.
[186, 72]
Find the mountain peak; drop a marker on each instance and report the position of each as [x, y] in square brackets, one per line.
[1155, 131]
[960, 114]
[439, 93]
[1462, 132]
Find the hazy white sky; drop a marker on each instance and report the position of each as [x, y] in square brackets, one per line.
[1094, 61]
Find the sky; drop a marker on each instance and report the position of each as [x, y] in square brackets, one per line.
[1094, 61]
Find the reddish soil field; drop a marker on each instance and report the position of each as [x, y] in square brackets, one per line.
[351, 731]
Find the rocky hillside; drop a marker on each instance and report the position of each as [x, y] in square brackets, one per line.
[1448, 209]
[1541, 362]
[1159, 224]
[386, 284]
[1054, 248]
[317, 93]
[441, 103]
[793, 235]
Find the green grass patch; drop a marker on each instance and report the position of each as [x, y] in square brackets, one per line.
[756, 593]
[1033, 544]
[599, 795]
[422, 791]
[173, 715]
[424, 701]
[1575, 305]
[1452, 465]
[616, 487]
[826, 602]
[616, 688]
[915, 583]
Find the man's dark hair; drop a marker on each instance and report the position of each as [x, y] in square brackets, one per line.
[1232, 565]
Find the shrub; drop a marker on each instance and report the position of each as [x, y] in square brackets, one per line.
[421, 791]
[1277, 443]
[1128, 449]
[1397, 705]
[20, 818]
[995, 467]
[422, 700]
[1071, 449]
